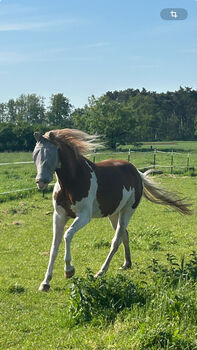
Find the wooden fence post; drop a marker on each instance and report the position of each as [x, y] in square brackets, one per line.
[188, 156]
[94, 156]
[154, 158]
[172, 162]
[129, 155]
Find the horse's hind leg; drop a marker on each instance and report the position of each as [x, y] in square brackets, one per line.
[125, 240]
[119, 223]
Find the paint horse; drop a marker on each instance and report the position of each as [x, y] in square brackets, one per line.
[83, 190]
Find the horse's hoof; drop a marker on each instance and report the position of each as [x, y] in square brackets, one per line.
[126, 266]
[98, 274]
[44, 287]
[69, 274]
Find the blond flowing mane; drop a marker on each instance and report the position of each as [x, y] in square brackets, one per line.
[81, 142]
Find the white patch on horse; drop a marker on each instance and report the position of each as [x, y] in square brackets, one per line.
[96, 211]
[86, 204]
[128, 197]
[56, 189]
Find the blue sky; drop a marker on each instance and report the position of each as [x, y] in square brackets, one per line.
[85, 47]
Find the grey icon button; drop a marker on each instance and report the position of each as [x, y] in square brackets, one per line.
[174, 14]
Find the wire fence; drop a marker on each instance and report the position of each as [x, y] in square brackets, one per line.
[165, 161]
[156, 159]
[16, 163]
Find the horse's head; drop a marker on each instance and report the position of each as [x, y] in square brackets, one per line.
[46, 159]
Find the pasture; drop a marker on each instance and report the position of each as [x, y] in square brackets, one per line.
[167, 146]
[151, 306]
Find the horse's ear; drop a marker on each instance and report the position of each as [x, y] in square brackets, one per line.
[51, 136]
[37, 136]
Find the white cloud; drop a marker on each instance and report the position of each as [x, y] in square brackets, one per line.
[11, 57]
[53, 54]
[5, 27]
[14, 57]
[40, 56]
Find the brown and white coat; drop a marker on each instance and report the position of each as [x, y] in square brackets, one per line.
[111, 188]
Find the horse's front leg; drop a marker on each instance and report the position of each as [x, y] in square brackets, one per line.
[81, 220]
[59, 221]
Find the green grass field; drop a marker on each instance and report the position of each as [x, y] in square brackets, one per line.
[151, 306]
[145, 308]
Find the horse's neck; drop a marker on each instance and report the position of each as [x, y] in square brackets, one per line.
[71, 170]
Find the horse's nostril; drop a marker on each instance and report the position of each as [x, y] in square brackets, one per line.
[45, 181]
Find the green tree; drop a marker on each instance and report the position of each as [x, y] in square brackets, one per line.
[108, 118]
[7, 137]
[30, 108]
[59, 113]
[80, 118]
[11, 111]
[2, 112]
[120, 117]
[147, 117]
[185, 107]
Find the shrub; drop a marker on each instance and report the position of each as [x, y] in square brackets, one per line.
[103, 297]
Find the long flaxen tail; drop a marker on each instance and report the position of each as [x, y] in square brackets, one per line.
[156, 194]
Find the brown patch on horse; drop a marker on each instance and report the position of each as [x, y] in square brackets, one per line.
[113, 176]
[64, 202]
[74, 177]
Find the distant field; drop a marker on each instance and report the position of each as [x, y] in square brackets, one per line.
[6, 157]
[168, 146]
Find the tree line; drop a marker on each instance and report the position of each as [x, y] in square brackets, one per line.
[120, 117]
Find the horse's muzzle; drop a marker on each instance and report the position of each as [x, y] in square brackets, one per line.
[42, 185]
